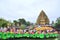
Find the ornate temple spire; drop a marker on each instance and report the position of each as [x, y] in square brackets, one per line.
[42, 18]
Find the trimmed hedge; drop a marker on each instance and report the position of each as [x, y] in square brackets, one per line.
[12, 35]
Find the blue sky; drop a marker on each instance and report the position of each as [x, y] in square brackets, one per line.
[29, 9]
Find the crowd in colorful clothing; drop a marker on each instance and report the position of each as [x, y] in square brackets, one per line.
[30, 31]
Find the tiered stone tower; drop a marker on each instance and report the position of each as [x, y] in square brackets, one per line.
[42, 18]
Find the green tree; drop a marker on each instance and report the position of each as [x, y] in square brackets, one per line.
[15, 22]
[58, 20]
[3, 22]
[28, 23]
[22, 21]
[57, 24]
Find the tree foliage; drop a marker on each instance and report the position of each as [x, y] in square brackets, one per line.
[28, 23]
[58, 20]
[3, 22]
[15, 22]
[21, 21]
[57, 23]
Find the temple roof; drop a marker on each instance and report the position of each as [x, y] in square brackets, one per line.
[42, 18]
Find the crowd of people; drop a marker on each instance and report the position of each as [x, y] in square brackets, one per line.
[30, 31]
